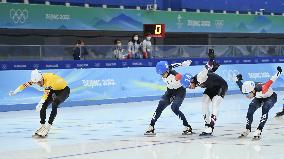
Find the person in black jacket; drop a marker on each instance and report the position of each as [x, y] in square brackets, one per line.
[80, 51]
[215, 90]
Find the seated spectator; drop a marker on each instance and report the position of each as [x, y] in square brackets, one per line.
[146, 47]
[118, 51]
[134, 47]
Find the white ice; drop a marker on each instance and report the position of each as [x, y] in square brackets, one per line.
[115, 131]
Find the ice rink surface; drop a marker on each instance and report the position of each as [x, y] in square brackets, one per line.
[115, 131]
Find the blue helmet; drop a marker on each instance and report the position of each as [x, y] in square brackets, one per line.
[186, 80]
[162, 67]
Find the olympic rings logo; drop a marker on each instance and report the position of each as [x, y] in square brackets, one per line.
[19, 16]
[4, 67]
[219, 23]
[36, 66]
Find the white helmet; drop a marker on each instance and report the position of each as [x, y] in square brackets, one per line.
[248, 86]
[36, 76]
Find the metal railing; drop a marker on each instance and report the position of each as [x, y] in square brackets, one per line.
[99, 52]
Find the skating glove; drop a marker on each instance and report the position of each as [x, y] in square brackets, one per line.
[279, 69]
[274, 77]
[211, 54]
[238, 77]
[12, 93]
[186, 63]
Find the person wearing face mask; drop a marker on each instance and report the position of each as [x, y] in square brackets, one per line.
[118, 51]
[263, 96]
[134, 47]
[146, 47]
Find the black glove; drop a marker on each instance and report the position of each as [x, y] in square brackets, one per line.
[279, 69]
[211, 54]
[239, 77]
[215, 66]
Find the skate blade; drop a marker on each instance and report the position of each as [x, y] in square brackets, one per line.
[206, 134]
[35, 136]
[241, 137]
[278, 117]
[188, 133]
[256, 138]
[38, 136]
[152, 134]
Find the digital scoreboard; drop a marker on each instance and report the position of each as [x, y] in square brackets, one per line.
[154, 30]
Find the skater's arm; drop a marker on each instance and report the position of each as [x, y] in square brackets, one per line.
[268, 84]
[203, 75]
[45, 94]
[184, 64]
[21, 88]
[215, 66]
[211, 56]
[240, 83]
[43, 98]
[238, 79]
[177, 75]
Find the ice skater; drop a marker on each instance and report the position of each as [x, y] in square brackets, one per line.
[174, 95]
[215, 90]
[56, 91]
[263, 96]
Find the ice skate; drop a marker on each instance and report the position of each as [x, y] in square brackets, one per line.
[187, 131]
[279, 114]
[245, 133]
[150, 131]
[257, 135]
[208, 131]
[38, 130]
[45, 131]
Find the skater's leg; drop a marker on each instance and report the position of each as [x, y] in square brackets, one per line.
[267, 105]
[206, 113]
[175, 108]
[53, 113]
[253, 106]
[205, 108]
[58, 98]
[163, 103]
[216, 101]
[43, 114]
[43, 109]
